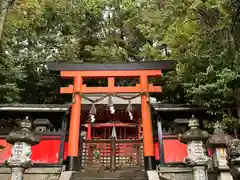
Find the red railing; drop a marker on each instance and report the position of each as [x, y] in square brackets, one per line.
[126, 151]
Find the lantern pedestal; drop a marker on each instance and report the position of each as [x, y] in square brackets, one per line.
[195, 138]
[22, 140]
[217, 142]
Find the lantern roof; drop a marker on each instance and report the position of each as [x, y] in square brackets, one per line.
[194, 133]
[219, 139]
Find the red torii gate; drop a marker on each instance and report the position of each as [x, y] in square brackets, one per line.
[110, 71]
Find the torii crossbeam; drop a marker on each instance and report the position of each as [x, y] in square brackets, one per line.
[79, 71]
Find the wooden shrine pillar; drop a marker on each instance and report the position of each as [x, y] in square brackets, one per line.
[72, 163]
[139, 129]
[148, 144]
[89, 136]
[89, 130]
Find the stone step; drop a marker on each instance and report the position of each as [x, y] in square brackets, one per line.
[102, 175]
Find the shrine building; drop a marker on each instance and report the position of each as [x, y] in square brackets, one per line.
[125, 124]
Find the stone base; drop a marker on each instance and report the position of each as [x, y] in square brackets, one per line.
[117, 175]
[65, 175]
[33, 173]
[72, 163]
[152, 175]
[149, 163]
[224, 176]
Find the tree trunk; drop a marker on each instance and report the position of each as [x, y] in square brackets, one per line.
[4, 5]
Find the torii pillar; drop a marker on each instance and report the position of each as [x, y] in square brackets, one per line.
[110, 71]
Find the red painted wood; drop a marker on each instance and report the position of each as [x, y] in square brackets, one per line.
[174, 150]
[156, 151]
[94, 90]
[48, 151]
[5, 153]
[101, 125]
[89, 130]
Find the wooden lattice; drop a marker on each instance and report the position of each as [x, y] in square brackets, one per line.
[112, 153]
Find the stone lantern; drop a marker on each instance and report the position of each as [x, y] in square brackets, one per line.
[218, 143]
[195, 138]
[233, 158]
[22, 139]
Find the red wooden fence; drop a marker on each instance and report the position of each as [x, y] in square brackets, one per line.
[174, 151]
[48, 151]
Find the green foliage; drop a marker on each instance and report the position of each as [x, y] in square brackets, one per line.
[202, 35]
[36, 32]
[209, 68]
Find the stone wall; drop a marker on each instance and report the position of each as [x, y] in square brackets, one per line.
[182, 173]
[34, 173]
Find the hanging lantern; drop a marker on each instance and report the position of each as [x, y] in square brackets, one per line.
[129, 110]
[92, 113]
[110, 105]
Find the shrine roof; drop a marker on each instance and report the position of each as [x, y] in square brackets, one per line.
[65, 107]
[177, 107]
[153, 65]
[35, 107]
[55, 112]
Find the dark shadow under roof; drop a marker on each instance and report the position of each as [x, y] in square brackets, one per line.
[153, 65]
